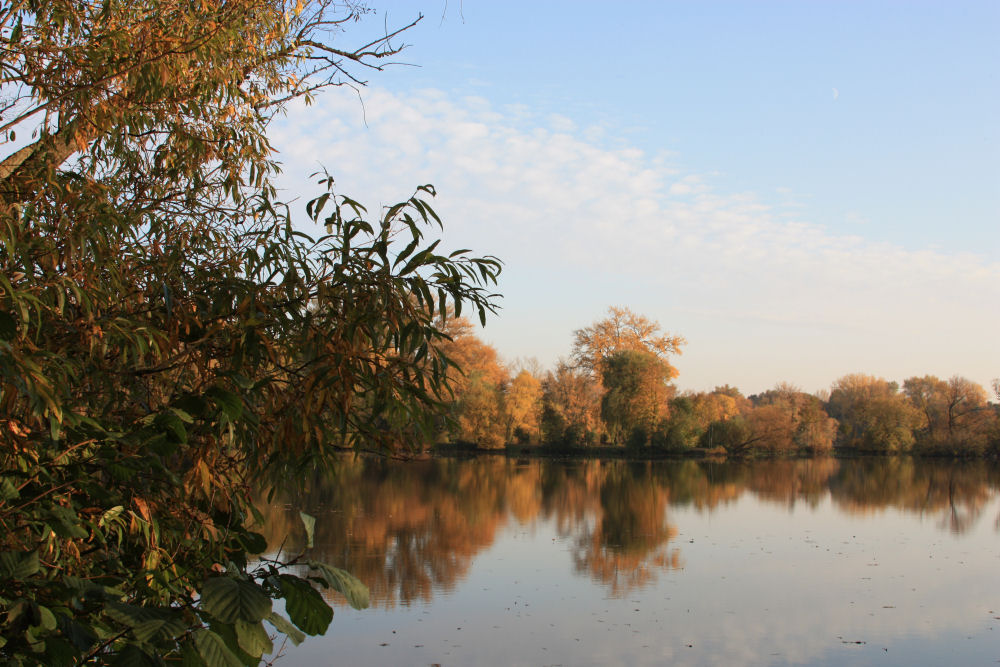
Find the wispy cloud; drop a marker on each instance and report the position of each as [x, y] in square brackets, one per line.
[584, 220]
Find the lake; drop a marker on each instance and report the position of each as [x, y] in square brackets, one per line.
[496, 561]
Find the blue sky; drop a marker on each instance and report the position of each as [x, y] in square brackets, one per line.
[801, 189]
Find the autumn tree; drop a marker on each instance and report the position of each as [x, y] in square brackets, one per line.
[719, 404]
[690, 418]
[955, 414]
[571, 404]
[682, 429]
[477, 381]
[171, 335]
[636, 394]
[523, 407]
[623, 330]
[873, 414]
[927, 396]
[803, 423]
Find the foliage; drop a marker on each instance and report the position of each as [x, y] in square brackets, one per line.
[636, 393]
[522, 403]
[571, 400]
[955, 415]
[169, 337]
[791, 420]
[480, 414]
[873, 415]
[623, 330]
[691, 416]
[732, 434]
[681, 430]
[477, 381]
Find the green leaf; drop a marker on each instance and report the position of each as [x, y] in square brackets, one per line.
[18, 565]
[79, 635]
[309, 522]
[253, 638]
[230, 403]
[59, 652]
[110, 515]
[190, 656]
[8, 491]
[133, 656]
[172, 423]
[213, 650]
[182, 415]
[165, 628]
[305, 606]
[229, 600]
[283, 625]
[67, 523]
[47, 620]
[134, 616]
[344, 583]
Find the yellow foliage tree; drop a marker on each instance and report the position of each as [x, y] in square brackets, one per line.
[623, 330]
[523, 406]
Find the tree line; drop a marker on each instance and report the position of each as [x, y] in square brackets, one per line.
[616, 389]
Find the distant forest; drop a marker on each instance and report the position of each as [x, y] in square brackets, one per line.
[616, 389]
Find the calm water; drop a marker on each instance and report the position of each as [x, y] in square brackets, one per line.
[498, 562]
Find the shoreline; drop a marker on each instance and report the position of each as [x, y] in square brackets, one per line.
[610, 453]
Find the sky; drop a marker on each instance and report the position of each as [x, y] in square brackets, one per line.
[801, 189]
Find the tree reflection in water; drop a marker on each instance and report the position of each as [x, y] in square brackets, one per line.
[629, 543]
[409, 530]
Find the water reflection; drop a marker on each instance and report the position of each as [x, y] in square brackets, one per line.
[955, 491]
[629, 541]
[412, 530]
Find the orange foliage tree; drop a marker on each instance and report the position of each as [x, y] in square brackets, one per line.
[623, 330]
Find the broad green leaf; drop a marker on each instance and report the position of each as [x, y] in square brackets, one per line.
[230, 403]
[59, 652]
[344, 583]
[166, 628]
[172, 423]
[79, 635]
[305, 606]
[190, 657]
[309, 522]
[213, 650]
[8, 491]
[283, 625]
[253, 638]
[47, 620]
[230, 600]
[133, 615]
[18, 565]
[133, 656]
[67, 523]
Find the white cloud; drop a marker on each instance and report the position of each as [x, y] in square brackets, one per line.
[582, 221]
